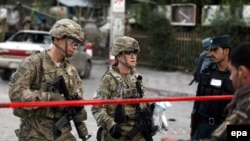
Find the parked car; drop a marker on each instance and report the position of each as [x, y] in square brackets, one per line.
[26, 42]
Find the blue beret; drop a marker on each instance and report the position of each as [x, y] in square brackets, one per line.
[219, 41]
[206, 42]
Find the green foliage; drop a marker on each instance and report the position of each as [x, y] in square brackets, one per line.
[143, 12]
[160, 42]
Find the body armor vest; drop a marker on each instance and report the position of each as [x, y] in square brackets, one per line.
[214, 82]
[125, 88]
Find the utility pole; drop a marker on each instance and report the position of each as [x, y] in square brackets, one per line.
[117, 20]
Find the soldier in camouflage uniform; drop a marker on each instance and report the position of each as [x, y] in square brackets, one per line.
[30, 83]
[118, 83]
[239, 108]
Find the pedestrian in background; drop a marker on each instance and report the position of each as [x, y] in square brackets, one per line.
[214, 81]
[27, 24]
[202, 60]
[31, 80]
[44, 25]
[206, 59]
[120, 82]
[239, 108]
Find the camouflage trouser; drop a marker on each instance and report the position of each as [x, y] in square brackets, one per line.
[28, 133]
[105, 136]
[64, 137]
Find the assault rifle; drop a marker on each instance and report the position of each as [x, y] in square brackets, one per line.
[144, 124]
[143, 117]
[59, 84]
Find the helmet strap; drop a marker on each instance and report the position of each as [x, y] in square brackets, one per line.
[66, 48]
[61, 49]
[125, 63]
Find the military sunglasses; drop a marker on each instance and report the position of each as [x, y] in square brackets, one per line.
[73, 42]
[130, 52]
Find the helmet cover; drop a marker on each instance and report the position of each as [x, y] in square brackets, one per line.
[124, 43]
[67, 28]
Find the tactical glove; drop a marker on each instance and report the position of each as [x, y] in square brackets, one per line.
[77, 97]
[56, 96]
[49, 96]
[116, 132]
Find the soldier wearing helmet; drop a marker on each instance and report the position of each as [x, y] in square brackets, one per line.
[66, 36]
[125, 46]
[120, 82]
[31, 83]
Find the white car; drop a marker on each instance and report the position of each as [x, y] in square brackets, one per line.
[26, 42]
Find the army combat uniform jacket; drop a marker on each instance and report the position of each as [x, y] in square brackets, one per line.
[30, 83]
[115, 85]
[239, 113]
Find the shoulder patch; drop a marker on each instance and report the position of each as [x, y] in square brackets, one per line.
[14, 78]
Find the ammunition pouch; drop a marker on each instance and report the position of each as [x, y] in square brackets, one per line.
[22, 113]
[80, 116]
[120, 116]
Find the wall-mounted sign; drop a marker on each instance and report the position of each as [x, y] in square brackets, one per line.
[246, 14]
[211, 13]
[118, 5]
[183, 14]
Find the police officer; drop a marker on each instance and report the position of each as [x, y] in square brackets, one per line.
[31, 83]
[214, 81]
[239, 108]
[118, 83]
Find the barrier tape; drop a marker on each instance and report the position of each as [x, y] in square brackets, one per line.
[75, 103]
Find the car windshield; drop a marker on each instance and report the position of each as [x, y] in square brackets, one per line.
[38, 38]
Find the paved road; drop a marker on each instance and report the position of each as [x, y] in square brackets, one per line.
[158, 84]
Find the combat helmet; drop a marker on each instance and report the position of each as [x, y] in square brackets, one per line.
[67, 28]
[124, 43]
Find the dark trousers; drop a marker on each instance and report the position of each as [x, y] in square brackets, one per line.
[205, 128]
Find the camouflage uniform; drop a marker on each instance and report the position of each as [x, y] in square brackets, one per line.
[30, 83]
[239, 113]
[115, 85]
